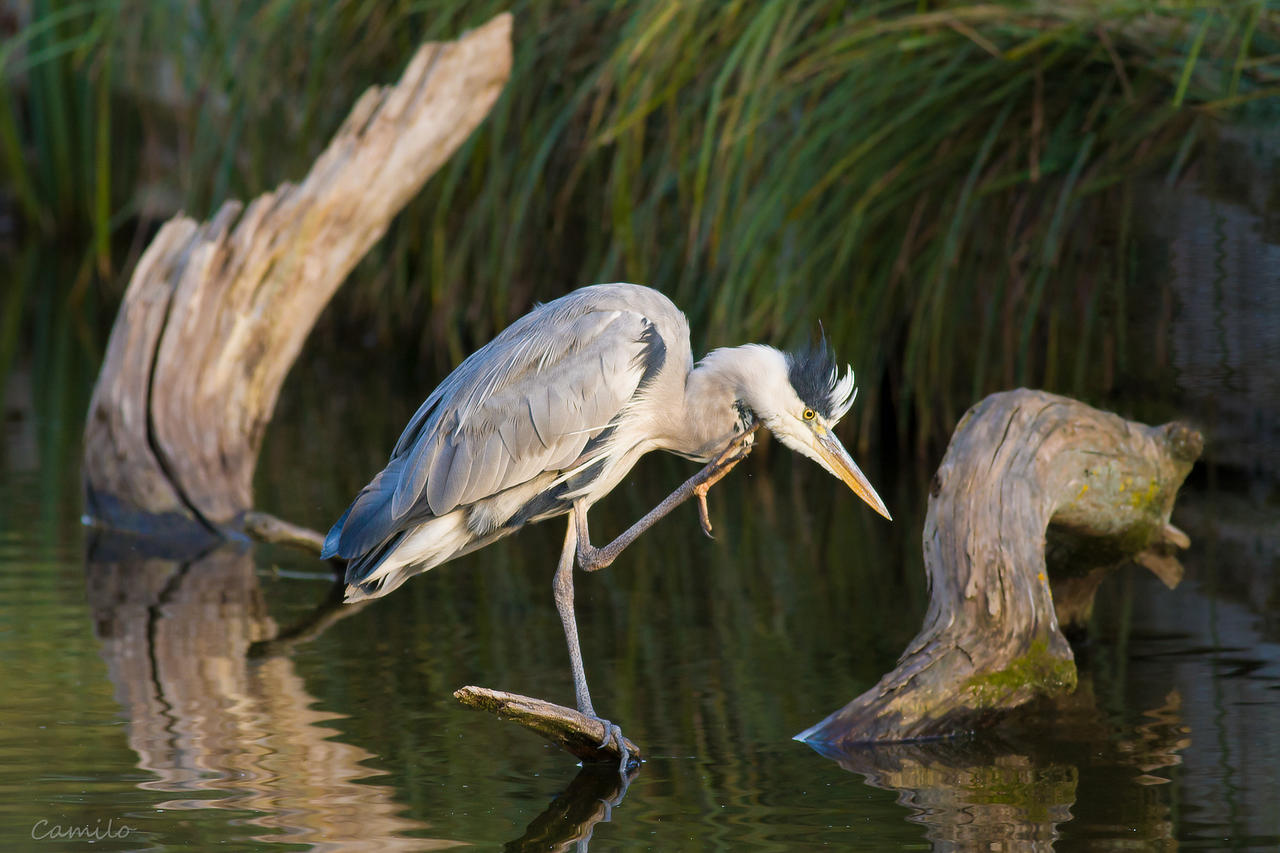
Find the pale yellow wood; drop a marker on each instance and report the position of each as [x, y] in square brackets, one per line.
[216, 313]
[267, 528]
[568, 728]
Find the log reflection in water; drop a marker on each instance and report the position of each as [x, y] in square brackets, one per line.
[1017, 786]
[972, 794]
[230, 730]
[571, 818]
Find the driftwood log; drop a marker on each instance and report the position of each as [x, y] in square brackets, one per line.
[265, 527]
[1023, 467]
[583, 736]
[216, 313]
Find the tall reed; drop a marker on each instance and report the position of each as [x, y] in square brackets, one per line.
[947, 187]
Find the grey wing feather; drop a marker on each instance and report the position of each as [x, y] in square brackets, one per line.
[526, 403]
[451, 456]
[490, 464]
[532, 413]
[419, 458]
[363, 526]
[540, 417]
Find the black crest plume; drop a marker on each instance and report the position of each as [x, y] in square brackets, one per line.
[816, 378]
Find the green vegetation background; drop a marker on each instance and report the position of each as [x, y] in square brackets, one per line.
[948, 187]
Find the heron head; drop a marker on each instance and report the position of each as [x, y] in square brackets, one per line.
[800, 397]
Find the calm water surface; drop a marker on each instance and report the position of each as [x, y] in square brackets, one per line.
[217, 702]
[220, 700]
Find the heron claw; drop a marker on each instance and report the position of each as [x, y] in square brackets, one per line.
[714, 473]
[613, 733]
[704, 515]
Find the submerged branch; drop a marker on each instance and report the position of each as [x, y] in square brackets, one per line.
[265, 527]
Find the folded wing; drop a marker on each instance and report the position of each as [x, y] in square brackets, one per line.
[526, 403]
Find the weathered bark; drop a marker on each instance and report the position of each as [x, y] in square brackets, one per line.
[565, 727]
[216, 313]
[1018, 462]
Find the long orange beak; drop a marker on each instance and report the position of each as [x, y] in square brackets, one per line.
[843, 466]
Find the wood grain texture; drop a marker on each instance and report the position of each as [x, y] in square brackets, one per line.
[216, 313]
[565, 727]
[1018, 462]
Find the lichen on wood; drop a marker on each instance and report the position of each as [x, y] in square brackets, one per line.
[1024, 468]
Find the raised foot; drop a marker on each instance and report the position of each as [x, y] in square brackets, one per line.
[704, 515]
[592, 559]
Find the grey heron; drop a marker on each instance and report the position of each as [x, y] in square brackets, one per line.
[549, 416]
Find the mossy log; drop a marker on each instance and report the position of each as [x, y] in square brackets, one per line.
[216, 313]
[1019, 783]
[1023, 467]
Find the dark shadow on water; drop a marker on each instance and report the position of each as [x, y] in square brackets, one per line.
[222, 728]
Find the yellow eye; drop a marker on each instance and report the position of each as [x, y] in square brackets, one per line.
[809, 414]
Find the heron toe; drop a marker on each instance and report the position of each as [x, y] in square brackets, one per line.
[613, 732]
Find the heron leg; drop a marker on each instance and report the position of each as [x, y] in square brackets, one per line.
[562, 587]
[592, 559]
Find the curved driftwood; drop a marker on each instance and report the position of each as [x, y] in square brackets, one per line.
[216, 313]
[565, 727]
[1019, 464]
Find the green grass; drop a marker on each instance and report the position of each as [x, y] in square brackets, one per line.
[947, 187]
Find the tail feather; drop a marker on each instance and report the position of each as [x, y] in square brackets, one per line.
[334, 537]
[359, 569]
[380, 586]
[369, 522]
[410, 552]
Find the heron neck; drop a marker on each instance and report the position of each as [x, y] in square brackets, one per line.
[717, 402]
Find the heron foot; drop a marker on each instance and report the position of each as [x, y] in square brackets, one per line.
[704, 515]
[613, 734]
[591, 559]
[714, 473]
